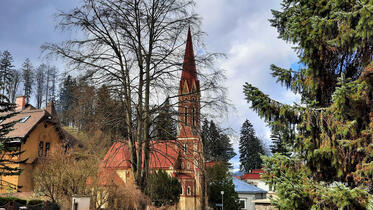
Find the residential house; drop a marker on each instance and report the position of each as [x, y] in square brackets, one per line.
[247, 193]
[38, 133]
[254, 178]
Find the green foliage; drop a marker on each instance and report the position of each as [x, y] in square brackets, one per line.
[28, 79]
[219, 179]
[297, 190]
[216, 143]
[279, 143]
[7, 145]
[330, 135]
[162, 189]
[165, 125]
[250, 148]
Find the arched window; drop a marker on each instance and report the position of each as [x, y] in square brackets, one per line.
[186, 116]
[193, 117]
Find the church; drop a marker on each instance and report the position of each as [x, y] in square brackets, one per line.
[181, 158]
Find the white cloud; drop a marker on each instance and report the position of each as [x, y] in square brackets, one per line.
[241, 30]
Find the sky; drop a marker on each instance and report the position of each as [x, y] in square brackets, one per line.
[238, 28]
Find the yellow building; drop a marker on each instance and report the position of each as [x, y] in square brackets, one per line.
[37, 133]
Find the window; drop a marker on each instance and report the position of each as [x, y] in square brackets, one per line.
[242, 204]
[188, 165]
[24, 119]
[47, 147]
[189, 191]
[185, 148]
[41, 147]
[193, 117]
[186, 116]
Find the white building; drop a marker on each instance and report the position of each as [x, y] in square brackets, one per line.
[247, 193]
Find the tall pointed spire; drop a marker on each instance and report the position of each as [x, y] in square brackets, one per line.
[189, 73]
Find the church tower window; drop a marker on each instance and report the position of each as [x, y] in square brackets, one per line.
[186, 116]
[193, 117]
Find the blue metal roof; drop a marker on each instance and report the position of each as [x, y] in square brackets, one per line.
[243, 187]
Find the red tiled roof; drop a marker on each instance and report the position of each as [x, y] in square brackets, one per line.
[257, 171]
[210, 164]
[163, 154]
[250, 176]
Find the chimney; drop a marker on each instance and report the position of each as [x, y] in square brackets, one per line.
[20, 102]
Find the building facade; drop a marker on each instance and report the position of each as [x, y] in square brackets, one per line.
[38, 133]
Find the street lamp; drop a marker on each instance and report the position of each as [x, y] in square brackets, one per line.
[222, 200]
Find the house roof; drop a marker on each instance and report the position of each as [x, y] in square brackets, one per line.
[22, 129]
[251, 176]
[243, 187]
[163, 154]
[29, 118]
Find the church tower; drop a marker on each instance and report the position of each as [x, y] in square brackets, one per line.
[189, 132]
[189, 96]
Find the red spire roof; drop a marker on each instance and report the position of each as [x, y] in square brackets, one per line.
[189, 72]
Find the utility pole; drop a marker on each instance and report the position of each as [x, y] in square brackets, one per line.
[222, 200]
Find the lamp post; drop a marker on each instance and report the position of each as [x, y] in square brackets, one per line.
[222, 200]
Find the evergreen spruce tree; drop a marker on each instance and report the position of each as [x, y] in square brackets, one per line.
[216, 143]
[6, 68]
[250, 148]
[14, 84]
[278, 144]
[8, 147]
[28, 79]
[40, 83]
[220, 179]
[163, 189]
[165, 125]
[331, 163]
[66, 99]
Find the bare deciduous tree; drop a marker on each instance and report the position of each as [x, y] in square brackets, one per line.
[136, 48]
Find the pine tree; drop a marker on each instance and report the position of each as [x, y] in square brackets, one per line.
[40, 83]
[165, 125]
[28, 79]
[6, 68]
[66, 99]
[9, 149]
[14, 85]
[278, 144]
[220, 179]
[331, 163]
[52, 81]
[250, 148]
[216, 143]
[163, 189]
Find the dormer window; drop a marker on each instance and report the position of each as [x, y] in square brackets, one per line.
[23, 120]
